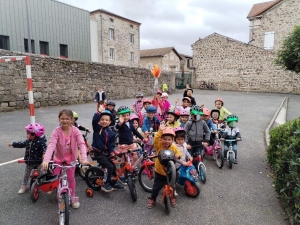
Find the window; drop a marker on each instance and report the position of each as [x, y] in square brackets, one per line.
[63, 51]
[131, 26]
[111, 54]
[26, 45]
[269, 40]
[166, 67]
[111, 20]
[44, 48]
[131, 57]
[111, 33]
[4, 42]
[171, 56]
[131, 38]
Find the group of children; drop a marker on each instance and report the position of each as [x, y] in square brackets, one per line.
[183, 129]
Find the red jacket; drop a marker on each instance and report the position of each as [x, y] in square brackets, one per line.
[159, 103]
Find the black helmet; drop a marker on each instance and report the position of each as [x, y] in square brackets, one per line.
[139, 95]
[232, 118]
[164, 156]
[174, 112]
[215, 110]
[110, 102]
[123, 110]
[196, 110]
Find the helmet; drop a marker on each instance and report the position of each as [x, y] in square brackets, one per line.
[206, 112]
[164, 156]
[184, 112]
[123, 109]
[164, 94]
[214, 110]
[134, 117]
[179, 129]
[151, 109]
[75, 115]
[196, 110]
[186, 98]
[47, 182]
[219, 99]
[35, 128]
[232, 118]
[147, 100]
[139, 95]
[159, 92]
[110, 102]
[168, 132]
[174, 112]
[106, 112]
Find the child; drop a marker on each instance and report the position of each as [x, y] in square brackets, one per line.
[184, 117]
[35, 148]
[188, 93]
[173, 116]
[163, 140]
[195, 130]
[75, 116]
[166, 104]
[135, 122]
[150, 121]
[215, 114]
[157, 102]
[100, 97]
[186, 102]
[142, 114]
[212, 127]
[219, 105]
[231, 132]
[181, 145]
[138, 105]
[103, 145]
[66, 140]
[110, 106]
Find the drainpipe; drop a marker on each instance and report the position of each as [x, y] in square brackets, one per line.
[139, 47]
[101, 38]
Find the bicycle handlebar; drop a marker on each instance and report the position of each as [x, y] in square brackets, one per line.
[25, 161]
[52, 165]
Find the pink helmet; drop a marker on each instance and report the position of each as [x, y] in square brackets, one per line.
[177, 129]
[35, 128]
[184, 112]
[206, 112]
[159, 92]
[134, 117]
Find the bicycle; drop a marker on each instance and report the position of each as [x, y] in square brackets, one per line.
[198, 162]
[204, 85]
[215, 150]
[230, 153]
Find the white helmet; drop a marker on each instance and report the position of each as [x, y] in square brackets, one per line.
[164, 94]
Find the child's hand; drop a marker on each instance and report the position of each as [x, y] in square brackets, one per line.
[205, 144]
[188, 147]
[184, 163]
[101, 108]
[45, 165]
[176, 101]
[10, 144]
[162, 126]
[177, 156]
[238, 139]
[202, 106]
[145, 140]
[191, 159]
[85, 163]
[121, 119]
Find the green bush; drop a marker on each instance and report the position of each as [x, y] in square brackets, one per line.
[284, 159]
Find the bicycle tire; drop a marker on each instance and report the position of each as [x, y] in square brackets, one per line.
[64, 209]
[212, 86]
[230, 160]
[202, 172]
[202, 86]
[91, 175]
[171, 174]
[219, 159]
[132, 188]
[34, 192]
[196, 187]
[167, 202]
[144, 180]
[32, 180]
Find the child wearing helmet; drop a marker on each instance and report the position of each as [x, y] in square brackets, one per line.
[184, 117]
[64, 143]
[166, 104]
[158, 103]
[188, 93]
[186, 102]
[195, 130]
[135, 122]
[138, 105]
[163, 140]
[75, 116]
[173, 116]
[231, 132]
[142, 114]
[215, 114]
[220, 106]
[151, 122]
[212, 127]
[110, 106]
[35, 146]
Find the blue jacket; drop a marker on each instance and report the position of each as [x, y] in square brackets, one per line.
[125, 133]
[148, 123]
[211, 125]
[103, 137]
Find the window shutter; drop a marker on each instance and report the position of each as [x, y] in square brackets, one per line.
[269, 40]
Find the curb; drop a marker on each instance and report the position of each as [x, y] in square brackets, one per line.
[278, 119]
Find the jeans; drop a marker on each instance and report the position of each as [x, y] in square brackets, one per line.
[104, 161]
[197, 148]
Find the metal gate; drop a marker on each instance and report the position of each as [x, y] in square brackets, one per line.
[182, 79]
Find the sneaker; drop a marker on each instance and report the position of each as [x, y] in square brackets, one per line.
[235, 161]
[118, 187]
[107, 188]
[75, 202]
[123, 180]
[173, 202]
[175, 193]
[22, 189]
[151, 203]
[49, 192]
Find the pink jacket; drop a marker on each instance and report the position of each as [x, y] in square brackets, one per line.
[57, 145]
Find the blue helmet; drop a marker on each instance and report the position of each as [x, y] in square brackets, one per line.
[151, 109]
[106, 112]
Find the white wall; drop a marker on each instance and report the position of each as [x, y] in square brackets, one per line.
[94, 41]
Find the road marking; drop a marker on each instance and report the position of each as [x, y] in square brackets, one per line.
[15, 160]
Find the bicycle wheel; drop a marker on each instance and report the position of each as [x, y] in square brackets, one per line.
[32, 180]
[64, 209]
[219, 159]
[202, 172]
[146, 177]
[34, 192]
[132, 188]
[230, 160]
[94, 178]
[195, 192]
[212, 86]
[202, 86]
[171, 174]
[167, 203]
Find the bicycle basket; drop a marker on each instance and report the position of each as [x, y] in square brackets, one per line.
[47, 182]
[165, 156]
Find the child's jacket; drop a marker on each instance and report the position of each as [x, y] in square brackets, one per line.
[185, 154]
[148, 123]
[223, 112]
[173, 125]
[137, 106]
[195, 130]
[126, 133]
[231, 133]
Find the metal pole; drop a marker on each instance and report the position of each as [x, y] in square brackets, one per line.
[28, 28]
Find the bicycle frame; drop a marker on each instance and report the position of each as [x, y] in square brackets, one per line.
[230, 149]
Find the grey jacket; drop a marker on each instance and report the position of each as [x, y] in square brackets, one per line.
[195, 131]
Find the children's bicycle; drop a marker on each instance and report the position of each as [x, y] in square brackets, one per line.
[215, 151]
[198, 162]
[230, 153]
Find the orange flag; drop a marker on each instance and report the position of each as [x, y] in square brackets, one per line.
[156, 71]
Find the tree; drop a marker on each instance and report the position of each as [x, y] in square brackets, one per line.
[289, 55]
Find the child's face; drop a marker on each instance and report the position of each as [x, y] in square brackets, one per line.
[135, 124]
[150, 115]
[66, 121]
[184, 119]
[166, 141]
[189, 93]
[110, 107]
[215, 115]
[205, 117]
[158, 96]
[179, 140]
[126, 117]
[171, 118]
[104, 121]
[185, 103]
[30, 136]
[218, 104]
[231, 124]
[146, 105]
[139, 99]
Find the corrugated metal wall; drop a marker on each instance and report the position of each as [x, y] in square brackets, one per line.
[50, 21]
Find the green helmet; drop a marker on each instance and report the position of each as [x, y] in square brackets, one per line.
[232, 118]
[75, 115]
[196, 110]
[123, 109]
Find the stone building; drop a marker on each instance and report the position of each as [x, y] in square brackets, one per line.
[271, 22]
[114, 39]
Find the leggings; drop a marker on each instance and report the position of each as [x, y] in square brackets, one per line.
[28, 170]
[70, 176]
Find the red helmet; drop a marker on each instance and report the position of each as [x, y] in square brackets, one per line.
[159, 92]
[168, 132]
[147, 100]
[206, 112]
[219, 99]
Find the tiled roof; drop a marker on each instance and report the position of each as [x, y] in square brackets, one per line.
[158, 52]
[112, 14]
[259, 8]
[186, 56]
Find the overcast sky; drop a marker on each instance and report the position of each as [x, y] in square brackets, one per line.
[179, 23]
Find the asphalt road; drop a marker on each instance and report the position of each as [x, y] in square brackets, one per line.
[243, 195]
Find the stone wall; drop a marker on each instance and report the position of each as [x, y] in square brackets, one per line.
[63, 81]
[281, 19]
[240, 67]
